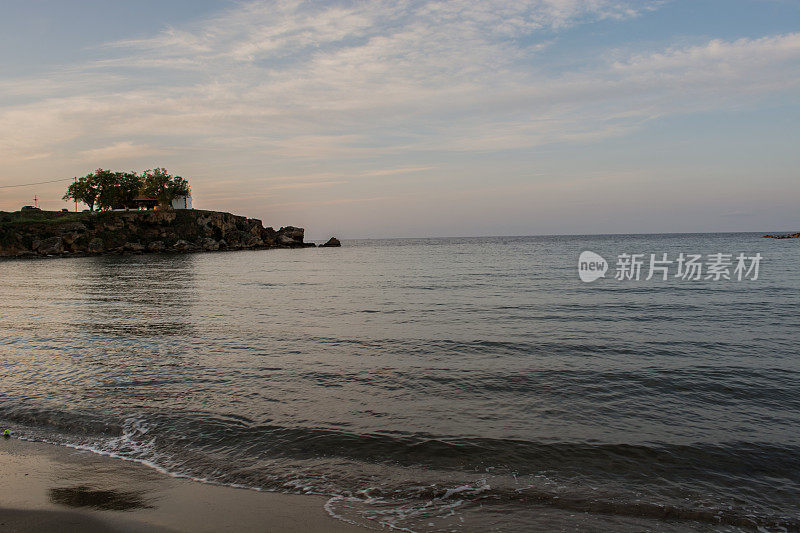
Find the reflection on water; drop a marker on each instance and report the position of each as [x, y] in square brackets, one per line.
[109, 500]
[135, 296]
[144, 295]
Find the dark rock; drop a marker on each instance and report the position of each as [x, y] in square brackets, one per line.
[155, 246]
[296, 234]
[69, 238]
[210, 245]
[789, 236]
[51, 246]
[140, 231]
[285, 240]
[332, 242]
[269, 236]
[95, 246]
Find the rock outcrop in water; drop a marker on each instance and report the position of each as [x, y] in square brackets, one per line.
[45, 233]
[789, 236]
[333, 242]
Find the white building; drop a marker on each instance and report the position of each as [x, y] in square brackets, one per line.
[182, 202]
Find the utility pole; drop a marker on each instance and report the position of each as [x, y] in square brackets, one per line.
[35, 201]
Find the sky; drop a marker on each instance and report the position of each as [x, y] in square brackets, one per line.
[417, 118]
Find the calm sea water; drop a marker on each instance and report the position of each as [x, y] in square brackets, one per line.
[433, 385]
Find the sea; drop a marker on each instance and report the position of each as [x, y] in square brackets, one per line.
[447, 384]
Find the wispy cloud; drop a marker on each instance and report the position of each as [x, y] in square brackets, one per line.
[296, 80]
[310, 96]
[117, 151]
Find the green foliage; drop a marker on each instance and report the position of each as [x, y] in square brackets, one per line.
[83, 190]
[159, 184]
[107, 183]
[130, 185]
[107, 189]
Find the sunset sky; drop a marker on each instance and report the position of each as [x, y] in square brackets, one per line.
[417, 118]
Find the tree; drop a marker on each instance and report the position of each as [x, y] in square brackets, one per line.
[83, 190]
[130, 185]
[113, 190]
[159, 184]
[108, 185]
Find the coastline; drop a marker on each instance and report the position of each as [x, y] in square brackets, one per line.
[58, 234]
[50, 487]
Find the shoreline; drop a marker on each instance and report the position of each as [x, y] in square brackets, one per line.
[52, 487]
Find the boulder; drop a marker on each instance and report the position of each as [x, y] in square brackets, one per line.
[69, 238]
[95, 246]
[155, 246]
[181, 246]
[285, 240]
[332, 243]
[51, 246]
[255, 241]
[133, 247]
[209, 244]
[296, 234]
[269, 236]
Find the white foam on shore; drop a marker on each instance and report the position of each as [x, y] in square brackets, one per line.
[133, 445]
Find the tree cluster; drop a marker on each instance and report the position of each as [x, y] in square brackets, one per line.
[106, 189]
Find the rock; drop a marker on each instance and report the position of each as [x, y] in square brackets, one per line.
[69, 238]
[51, 246]
[332, 242]
[95, 246]
[140, 231]
[210, 245]
[296, 234]
[285, 240]
[789, 236]
[255, 226]
[133, 247]
[252, 241]
[269, 236]
[73, 227]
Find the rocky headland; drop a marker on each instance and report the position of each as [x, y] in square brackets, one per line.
[55, 233]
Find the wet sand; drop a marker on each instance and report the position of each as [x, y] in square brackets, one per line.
[45, 487]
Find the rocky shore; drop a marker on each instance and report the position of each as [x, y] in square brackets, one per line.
[48, 233]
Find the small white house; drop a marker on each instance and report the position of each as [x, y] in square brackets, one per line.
[182, 202]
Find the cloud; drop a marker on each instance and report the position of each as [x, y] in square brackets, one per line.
[306, 81]
[116, 151]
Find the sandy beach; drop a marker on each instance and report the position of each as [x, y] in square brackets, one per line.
[44, 487]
